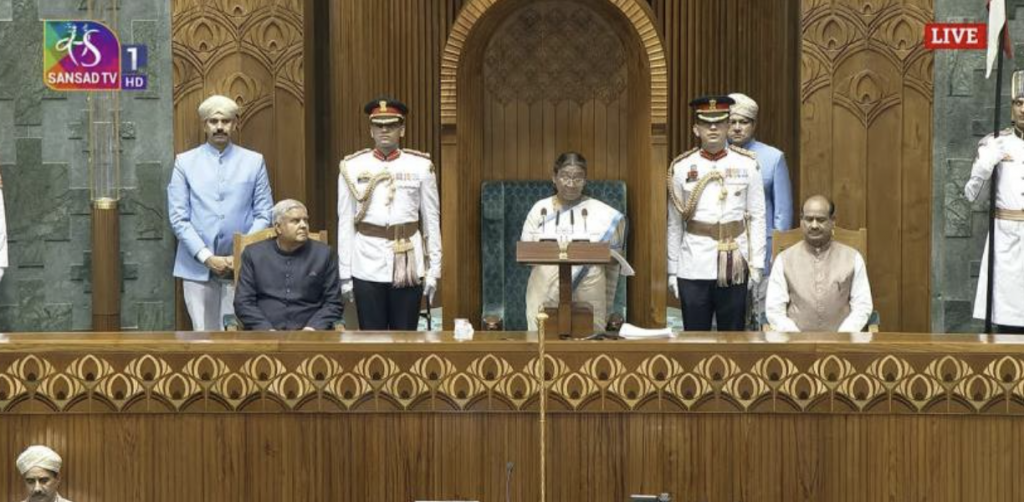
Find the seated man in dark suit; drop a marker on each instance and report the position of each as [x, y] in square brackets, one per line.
[290, 282]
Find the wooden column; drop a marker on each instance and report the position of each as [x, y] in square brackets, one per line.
[106, 266]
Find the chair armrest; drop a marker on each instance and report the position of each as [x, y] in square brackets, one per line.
[873, 322]
[231, 323]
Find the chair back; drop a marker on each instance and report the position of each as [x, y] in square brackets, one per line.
[243, 240]
[504, 206]
[857, 239]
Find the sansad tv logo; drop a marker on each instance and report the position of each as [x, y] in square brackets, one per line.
[80, 56]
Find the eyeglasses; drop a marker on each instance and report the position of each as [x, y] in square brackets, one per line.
[575, 180]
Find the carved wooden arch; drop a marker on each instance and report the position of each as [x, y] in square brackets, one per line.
[637, 12]
[462, 147]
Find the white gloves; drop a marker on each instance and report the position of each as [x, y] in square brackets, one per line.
[346, 290]
[673, 285]
[755, 277]
[429, 287]
[990, 153]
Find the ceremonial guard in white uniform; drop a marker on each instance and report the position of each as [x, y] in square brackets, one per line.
[716, 227]
[1007, 151]
[385, 256]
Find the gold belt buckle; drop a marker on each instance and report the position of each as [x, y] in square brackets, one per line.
[401, 245]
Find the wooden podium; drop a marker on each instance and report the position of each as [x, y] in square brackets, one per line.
[571, 318]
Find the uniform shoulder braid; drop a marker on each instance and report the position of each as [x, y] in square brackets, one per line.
[1002, 132]
[743, 151]
[422, 155]
[356, 154]
[682, 156]
[417, 153]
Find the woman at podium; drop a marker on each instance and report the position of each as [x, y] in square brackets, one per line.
[571, 215]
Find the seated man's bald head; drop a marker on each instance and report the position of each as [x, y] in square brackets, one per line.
[818, 201]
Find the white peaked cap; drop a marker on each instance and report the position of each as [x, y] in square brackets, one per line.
[39, 456]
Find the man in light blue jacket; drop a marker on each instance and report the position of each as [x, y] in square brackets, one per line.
[217, 189]
[778, 194]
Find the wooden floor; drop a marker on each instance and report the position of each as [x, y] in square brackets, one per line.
[403, 417]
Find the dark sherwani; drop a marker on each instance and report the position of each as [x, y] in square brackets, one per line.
[288, 291]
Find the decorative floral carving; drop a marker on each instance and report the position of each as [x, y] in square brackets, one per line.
[206, 34]
[555, 52]
[719, 382]
[490, 369]
[803, 390]
[575, 389]
[603, 369]
[919, 390]
[863, 34]
[890, 370]
[948, 371]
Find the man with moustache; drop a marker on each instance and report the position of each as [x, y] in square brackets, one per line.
[289, 282]
[386, 258]
[716, 229]
[818, 284]
[216, 190]
[40, 471]
[778, 195]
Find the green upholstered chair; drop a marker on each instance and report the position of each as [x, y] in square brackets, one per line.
[504, 206]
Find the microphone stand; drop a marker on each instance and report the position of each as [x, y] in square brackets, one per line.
[542, 317]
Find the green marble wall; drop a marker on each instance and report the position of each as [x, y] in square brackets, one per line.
[43, 160]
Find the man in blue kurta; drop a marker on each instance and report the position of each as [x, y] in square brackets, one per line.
[216, 189]
[778, 195]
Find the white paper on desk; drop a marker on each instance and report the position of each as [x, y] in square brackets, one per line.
[631, 332]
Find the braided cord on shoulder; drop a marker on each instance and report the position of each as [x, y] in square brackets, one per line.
[364, 198]
[690, 207]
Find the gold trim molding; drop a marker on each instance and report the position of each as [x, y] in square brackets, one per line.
[471, 382]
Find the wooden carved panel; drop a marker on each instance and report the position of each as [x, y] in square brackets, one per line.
[555, 79]
[679, 381]
[866, 94]
[251, 51]
[556, 52]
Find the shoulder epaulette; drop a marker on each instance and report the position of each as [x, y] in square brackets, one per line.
[743, 151]
[683, 155]
[356, 154]
[416, 153]
[988, 137]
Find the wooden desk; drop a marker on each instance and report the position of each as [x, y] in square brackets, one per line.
[399, 417]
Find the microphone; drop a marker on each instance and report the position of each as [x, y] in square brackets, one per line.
[572, 220]
[543, 218]
[508, 481]
[583, 212]
[558, 216]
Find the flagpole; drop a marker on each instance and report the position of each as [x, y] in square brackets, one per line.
[993, 183]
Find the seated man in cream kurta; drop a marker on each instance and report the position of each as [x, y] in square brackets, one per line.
[818, 284]
[568, 212]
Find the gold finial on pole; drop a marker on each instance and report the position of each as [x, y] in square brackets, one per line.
[542, 318]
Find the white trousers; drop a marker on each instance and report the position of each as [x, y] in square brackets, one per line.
[208, 302]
